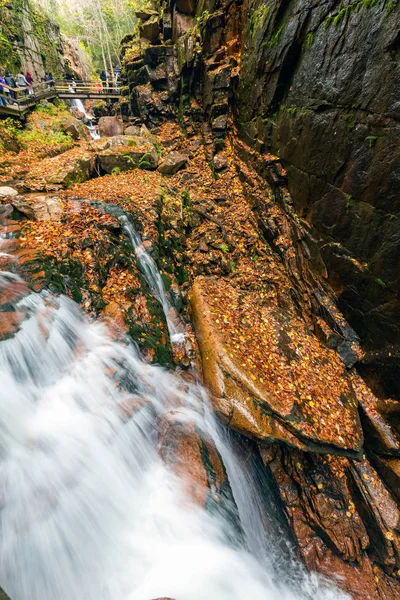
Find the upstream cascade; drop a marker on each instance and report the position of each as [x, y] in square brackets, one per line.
[89, 509]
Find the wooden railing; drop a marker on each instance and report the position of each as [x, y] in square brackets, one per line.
[110, 86]
[22, 97]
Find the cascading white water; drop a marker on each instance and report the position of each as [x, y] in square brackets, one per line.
[93, 130]
[88, 509]
[154, 279]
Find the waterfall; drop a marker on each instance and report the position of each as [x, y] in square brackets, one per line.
[88, 509]
[93, 130]
[153, 277]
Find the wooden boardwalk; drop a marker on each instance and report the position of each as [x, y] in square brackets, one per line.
[20, 101]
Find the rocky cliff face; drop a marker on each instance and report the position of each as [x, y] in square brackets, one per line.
[31, 42]
[75, 59]
[317, 85]
[305, 95]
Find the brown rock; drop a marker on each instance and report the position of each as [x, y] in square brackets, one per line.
[269, 377]
[144, 15]
[110, 126]
[220, 162]
[180, 24]
[182, 448]
[150, 29]
[76, 129]
[380, 515]
[6, 191]
[381, 436]
[10, 323]
[73, 166]
[172, 163]
[389, 469]
[127, 152]
[188, 7]
[327, 516]
[39, 207]
[132, 130]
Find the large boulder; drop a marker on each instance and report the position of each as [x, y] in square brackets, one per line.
[6, 192]
[172, 163]
[145, 15]
[126, 152]
[132, 130]
[270, 378]
[38, 207]
[62, 171]
[183, 447]
[75, 128]
[150, 29]
[110, 126]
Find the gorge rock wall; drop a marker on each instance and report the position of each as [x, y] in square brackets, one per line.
[306, 96]
[30, 41]
[318, 86]
[75, 59]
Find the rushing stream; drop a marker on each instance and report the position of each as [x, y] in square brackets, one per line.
[88, 509]
[93, 129]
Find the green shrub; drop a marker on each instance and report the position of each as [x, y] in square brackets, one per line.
[9, 135]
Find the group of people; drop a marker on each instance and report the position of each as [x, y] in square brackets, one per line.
[9, 85]
[108, 80]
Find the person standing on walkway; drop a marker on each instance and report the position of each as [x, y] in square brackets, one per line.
[2, 92]
[10, 81]
[22, 82]
[29, 79]
[103, 78]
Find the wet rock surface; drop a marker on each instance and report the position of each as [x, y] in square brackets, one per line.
[278, 357]
[317, 87]
[268, 376]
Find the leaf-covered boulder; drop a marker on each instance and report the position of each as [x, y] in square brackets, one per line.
[57, 172]
[270, 378]
[122, 153]
[172, 163]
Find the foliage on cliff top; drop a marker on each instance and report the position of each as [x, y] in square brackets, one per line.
[99, 25]
[13, 17]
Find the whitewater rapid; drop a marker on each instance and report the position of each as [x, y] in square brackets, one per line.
[88, 510]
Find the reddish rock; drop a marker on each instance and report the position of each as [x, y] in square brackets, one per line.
[182, 448]
[39, 207]
[10, 323]
[269, 377]
[343, 519]
[110, 126]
